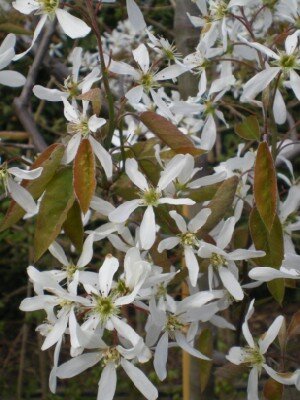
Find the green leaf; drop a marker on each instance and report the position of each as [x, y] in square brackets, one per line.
[220, 204]
[169, 134]
[84, 175]
[50, 161]
[265, 185]
[9, 27]
[272, 243]
[273, 390]
[73, 226]
[54, 207]
[248, 129]
[206, 348]
[205, 193]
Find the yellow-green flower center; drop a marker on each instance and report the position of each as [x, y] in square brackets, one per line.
[105, 308]
[173, 324]
[151, 197]
[219, 10]
[253, 356]
[287, 61]
[147, 81]
[111, 355]
[71, 87]
[217, 260]
[81, 127]
[49, 6]
[188, 239]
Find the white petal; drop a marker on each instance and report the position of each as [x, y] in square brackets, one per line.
[72, 26]
[171, 72]
[191, 264]
[171, 172]
[258, 83]
[180, 222]
[108, 382]
[231, 284]
[182, 342]
[25, 174]
[295, 83]
[140, 381]
[106, 274]
[148, 229]
[12, 78]
[87, 252]
[168, 244]
[57, 331]
[72, 148]
[266, 274]
[103, 156]
[236, 355]
[58, 252]
[122, 213]
[240, 254]
[252, 388]
[271, 334]
[245, 327]
[77, 365]
[279, 109]
[169, 200]
[208, 134]
[131, 167]
[125, 331]
[21, 196]
[95, 123]
[161, 357]
[225, 235]
[141, 57]
[291, 42]
[199, 220]
[135, 16]
[76, 58]
[134, 95]
[47, 94]
[288, 379]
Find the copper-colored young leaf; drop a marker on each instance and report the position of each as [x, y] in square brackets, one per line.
[205, 193]
[220, 204]
[273, 390]
[248, 129]
[50, 161]
[84, 175]
[169, 134]
[294, 327]
[73, 226]
[265, 185]
[205, 347]
[56, 202]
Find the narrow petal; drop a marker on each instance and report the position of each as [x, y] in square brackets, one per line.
[57, 331]
[122, 213]
[72, 26]
[103, 156]
[191, 264]
[77, 365]
[182, 342]
[258, 83]
[252, 387]
[225, 235]
[132, 170]
[168, 244]
[180, 221]
[135, 16]
[106, 274]
[231, 284]
[47, 94]
[199, 220]
[148, 229]
[141, 57]
[26, 174]
[21, 196]
[271, 334]
[108, 382]
[87, 252]
[58, 252]
[12, 78]
[140, 381]
[161, 357]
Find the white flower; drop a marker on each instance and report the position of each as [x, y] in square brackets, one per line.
[290, 269]
[72, 87]
[145, 77]
[7, 53]
[149, 197]
[107, 298]
[83, 127]
[188, 240]
[72, 26]
[168, 320]
[284, 62]
[17, 192]
[222, 262]
[254, 355]
[110, 358]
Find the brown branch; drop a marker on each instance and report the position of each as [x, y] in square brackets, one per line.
[22, 103]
